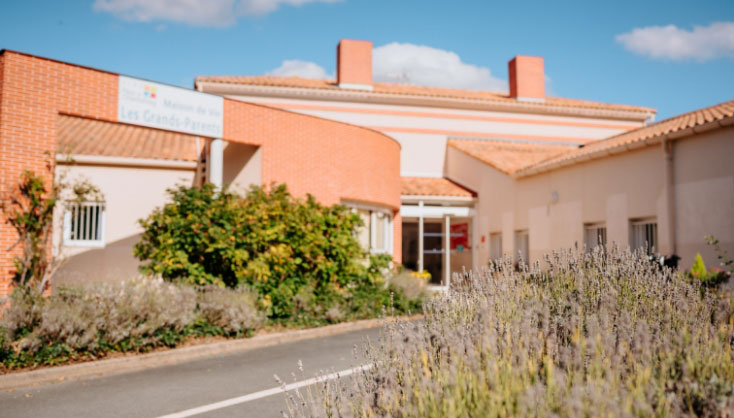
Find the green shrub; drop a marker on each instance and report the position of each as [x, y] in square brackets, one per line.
[269, 241]
[706, 278]
[699, 268]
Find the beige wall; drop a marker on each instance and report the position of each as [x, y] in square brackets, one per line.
[612, 190]
[242, 166]
[130, 193]
[422, 131]
[704, 194]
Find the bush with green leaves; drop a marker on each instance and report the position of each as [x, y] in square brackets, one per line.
[707, 278]
[301, 257]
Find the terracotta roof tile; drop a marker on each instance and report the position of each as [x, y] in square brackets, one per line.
[432, 186]
[507, 157]
[81, 136]
[410, 90]
[669, 126]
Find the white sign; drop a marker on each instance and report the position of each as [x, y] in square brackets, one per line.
[141, 102]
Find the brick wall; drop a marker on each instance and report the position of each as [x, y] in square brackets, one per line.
[331, 160]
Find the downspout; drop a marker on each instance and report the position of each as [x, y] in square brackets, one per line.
[669, 193]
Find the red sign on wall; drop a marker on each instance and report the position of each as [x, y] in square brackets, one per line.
[460, 237]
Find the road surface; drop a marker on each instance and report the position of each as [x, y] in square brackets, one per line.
[221, 386]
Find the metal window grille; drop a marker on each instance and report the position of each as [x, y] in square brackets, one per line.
[84, 224]
[495, 245]
[522, 245]
[644, 234]
[596, 234]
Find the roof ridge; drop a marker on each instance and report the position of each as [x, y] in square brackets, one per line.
[411, 90]
[682, 122]
[695, 113]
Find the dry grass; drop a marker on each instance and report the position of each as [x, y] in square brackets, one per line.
[601, 334]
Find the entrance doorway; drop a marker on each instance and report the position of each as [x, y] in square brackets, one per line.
[438, 252]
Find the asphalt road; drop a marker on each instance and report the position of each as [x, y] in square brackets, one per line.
[170, 389]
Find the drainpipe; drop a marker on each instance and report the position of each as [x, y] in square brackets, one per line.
[447, 251]
[216, 162]
[420, 237]
[669, 193]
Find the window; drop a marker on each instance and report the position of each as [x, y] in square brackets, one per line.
[363, 233]
[495, 245]
[644, 234]
[522, 245]
[595, 235]
[84, 224]
[376, 234]
[380, 225]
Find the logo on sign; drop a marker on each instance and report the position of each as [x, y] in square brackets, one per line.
[149, 92]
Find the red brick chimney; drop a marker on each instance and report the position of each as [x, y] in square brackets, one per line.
[527, 78]
[354, 64]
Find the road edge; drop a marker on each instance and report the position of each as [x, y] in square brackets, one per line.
[120, 365]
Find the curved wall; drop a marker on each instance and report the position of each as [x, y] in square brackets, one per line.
[331, 160]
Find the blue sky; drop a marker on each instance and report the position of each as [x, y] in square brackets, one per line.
[617, 52]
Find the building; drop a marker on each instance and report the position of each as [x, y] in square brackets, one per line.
[443, 178]
[135, 138]
[523, 173]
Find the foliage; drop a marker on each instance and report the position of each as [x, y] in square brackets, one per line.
[411, 284]
[724, 261]
[707, 278]
[699, 268]
[302, 258]
[134, 315]
[599, 334]
[29, 209]
[234, 311]
[425, 275]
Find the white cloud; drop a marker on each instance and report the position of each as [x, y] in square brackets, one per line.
[194, 12]
[263, 7]
[670, 42]
[426, 66]
[410, 64]
[299, 68]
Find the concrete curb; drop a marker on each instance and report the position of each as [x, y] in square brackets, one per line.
[136, 362]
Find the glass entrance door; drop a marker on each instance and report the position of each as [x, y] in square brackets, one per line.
[433, 251]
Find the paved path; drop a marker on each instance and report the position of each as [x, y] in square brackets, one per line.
[170, 389]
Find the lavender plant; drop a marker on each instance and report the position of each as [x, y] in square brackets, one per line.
[233, 310]
[137, 314]
[600, 334]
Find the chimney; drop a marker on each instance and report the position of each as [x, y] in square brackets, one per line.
[354, 64]
[527, 78]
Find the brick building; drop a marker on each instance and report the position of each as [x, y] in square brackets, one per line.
[81, 121]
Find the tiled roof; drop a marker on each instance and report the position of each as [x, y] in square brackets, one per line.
[81, 136]
[723, 113]
[507, 157]
[411, 90]
[432, 186]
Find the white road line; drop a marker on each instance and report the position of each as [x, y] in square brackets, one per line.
[264, 393]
